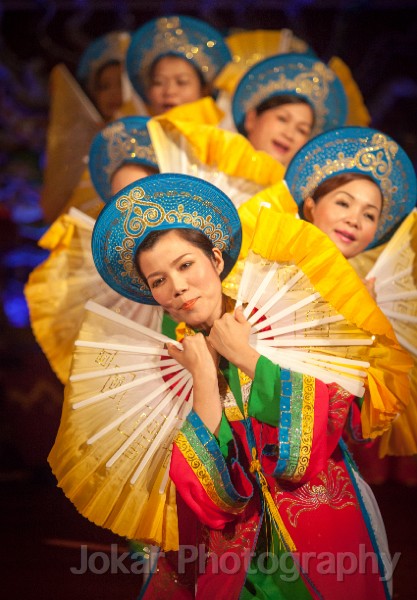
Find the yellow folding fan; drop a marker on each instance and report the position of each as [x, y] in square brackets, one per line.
[58, 289]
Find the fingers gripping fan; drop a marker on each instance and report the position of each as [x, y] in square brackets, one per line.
[311, 313]
[125, 401]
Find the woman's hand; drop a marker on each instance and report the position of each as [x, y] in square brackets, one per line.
[198, 357]
[201, 361]
[229, 336]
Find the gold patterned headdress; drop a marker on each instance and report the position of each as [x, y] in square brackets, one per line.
[122, 141]
[292, 74]
[105, 49]
[357, 150]
[161, 202]
[187, 37]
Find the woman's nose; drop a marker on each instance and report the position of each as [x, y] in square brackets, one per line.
[169, 87]
[179, 285]
[353, 218]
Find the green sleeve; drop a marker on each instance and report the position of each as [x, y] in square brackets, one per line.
[225, 436]
[264, 399]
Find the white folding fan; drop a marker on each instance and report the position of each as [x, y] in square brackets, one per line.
[395, 272]
[225, 159]
[58, 289]
[126, 398]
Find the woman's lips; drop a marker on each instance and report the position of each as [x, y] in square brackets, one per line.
[345, 236]
[282, 148]
[189, 304]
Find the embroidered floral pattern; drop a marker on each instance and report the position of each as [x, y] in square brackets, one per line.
[333, 489]
[339, 404]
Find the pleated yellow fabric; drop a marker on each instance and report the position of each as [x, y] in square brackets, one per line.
[279, 199]
[283, 238]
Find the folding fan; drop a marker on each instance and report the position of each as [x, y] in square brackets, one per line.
[126, 398]
[225, 159]
[58, 288]
[73, 122]
[395, 272]
[310, 312]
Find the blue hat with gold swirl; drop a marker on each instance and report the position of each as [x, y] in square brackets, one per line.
[357, 150]
[123, 141]
[293, 74]
[178, 35]
[158, 203]
[103, 50]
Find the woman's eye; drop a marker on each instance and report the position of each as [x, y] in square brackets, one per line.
[186, 265]
[342, 203]
[157, 282]
[371, 217]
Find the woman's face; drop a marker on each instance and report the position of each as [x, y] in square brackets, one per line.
[349, 215]
[184, 280]
[174, 81]
[127, 174]
[107, 93]
[280, 131]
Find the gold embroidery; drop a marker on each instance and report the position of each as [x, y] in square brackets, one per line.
[141, 212]
[170, 37]
[203, 475]
[339, 403]
[307, 425]
[123, 146]
[332, 491]
[313, 84]
[228, 401]
[235, 535]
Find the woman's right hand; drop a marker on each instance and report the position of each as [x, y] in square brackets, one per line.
[201, 361]
[197, 356]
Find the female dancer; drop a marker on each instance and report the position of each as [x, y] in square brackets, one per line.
[254, 521]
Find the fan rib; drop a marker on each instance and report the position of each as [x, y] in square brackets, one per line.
[123, 347]
[138, 406]
[306, 342]
[123, 388]
[261, 288]
[162, 432]
[151, 417]
[276, 297]
[123, 369]
[299, 326]
[116, 318]
[284, 312]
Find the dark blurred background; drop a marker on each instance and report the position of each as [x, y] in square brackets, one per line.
[43, 533]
